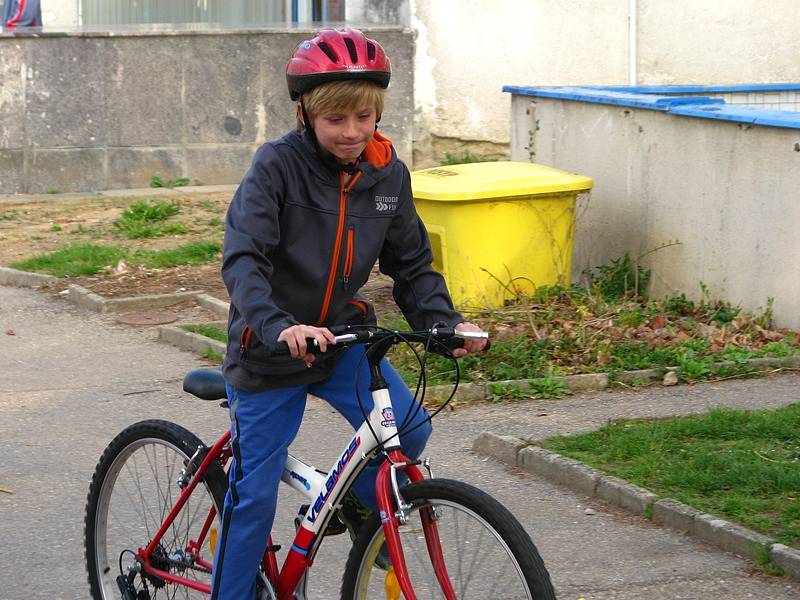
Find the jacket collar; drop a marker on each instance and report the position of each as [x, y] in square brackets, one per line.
[378, 154]
[378, 151]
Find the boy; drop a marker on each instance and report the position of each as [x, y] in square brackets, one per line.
[302, 234]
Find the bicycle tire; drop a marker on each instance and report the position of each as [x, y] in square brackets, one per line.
[461, 509]
[149, 448]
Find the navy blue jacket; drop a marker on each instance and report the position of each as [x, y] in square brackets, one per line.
[301, 238]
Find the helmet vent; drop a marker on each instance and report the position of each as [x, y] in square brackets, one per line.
[328, 52]
[351, 48]
[370, 52]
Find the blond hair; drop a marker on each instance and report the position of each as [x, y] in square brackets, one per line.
[337, 96]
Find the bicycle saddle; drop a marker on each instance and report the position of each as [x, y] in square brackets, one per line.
[207, 384]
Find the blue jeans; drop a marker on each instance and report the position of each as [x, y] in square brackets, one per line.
[263, 425]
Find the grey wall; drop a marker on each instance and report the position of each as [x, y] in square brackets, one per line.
[82, 112]
[728, 193]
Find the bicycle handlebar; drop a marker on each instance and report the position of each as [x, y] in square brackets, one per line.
[350, 336]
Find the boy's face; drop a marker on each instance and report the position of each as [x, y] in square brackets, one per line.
[345, 133]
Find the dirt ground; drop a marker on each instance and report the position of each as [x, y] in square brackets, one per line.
[31, 228]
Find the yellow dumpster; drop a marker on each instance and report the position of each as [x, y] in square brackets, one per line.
[499, 229]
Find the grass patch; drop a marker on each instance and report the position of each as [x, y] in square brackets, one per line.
[541, 387]
[742, 465]
[213, 356]
[459, 159]
[195, 253]
[157, 182]
[210, 331]
[145, 219]
[75, 260]
[609, 327]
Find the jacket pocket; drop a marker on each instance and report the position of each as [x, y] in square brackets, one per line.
[357, 311]
[244, 340]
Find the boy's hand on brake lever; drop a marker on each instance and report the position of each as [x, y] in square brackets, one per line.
[470, 346]
[295, 337]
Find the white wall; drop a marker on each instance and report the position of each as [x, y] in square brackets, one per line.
[718, 41]
[726, 191]
[59, 13]
[468, 49]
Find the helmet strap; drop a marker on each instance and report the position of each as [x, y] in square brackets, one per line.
[304, 116]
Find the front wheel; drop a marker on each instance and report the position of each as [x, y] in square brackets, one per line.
[133, 490]
[486, 551]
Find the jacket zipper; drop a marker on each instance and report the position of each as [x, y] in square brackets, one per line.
[348, 259]
[244, 341]
[337, 246]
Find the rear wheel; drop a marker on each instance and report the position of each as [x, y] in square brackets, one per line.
[132, 491]
[486, 551]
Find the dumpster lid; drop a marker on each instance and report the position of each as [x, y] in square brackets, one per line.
[501, 179]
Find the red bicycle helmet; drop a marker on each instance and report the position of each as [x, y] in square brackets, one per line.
[335, 55]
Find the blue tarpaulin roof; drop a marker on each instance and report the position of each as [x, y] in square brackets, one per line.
[673, 99]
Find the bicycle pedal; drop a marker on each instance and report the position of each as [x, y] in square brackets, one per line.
[335, 525]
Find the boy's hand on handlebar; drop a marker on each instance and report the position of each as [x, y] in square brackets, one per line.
[295, 337]
[470, 346]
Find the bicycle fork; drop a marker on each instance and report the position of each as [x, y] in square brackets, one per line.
[394, 514]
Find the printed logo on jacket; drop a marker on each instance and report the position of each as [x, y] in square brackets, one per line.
[386, 203]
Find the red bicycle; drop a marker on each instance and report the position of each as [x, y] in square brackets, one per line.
[154, 502]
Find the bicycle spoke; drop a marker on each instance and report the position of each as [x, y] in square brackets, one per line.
[478, 562]
[133, 471]
[139, 490]
[477, 545]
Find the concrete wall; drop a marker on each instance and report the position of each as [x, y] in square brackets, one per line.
[468, 49]
[727, 192]
[86, 111]
[718, 41]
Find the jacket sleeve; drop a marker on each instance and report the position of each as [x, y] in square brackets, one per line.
[406, 257]
[252, 231]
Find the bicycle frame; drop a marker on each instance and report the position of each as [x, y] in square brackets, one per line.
[324, 491]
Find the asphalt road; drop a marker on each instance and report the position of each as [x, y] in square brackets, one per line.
[70, 380]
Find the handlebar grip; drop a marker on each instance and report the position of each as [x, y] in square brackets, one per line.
[276, 349]
[282, 348]
[458, 342]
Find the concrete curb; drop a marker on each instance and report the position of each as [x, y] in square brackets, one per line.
[119, 193]
[214, 305]
[91, 301]
[466, 391]
[139, 192]
[729, 536]
[590, 482]
[631, 498]
[189, 341]
[227, 188]
[600, 381]
[786, 558]
[15, 278]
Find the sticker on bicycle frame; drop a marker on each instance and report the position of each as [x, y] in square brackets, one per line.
[301, 479]
[388, 417]
[384, 516]
[333, 478]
